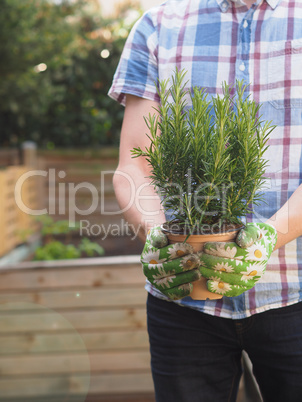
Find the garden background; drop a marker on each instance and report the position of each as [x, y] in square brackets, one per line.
[72, 322]
[72, 315]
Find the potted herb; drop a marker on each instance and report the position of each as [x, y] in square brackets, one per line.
[206, 159]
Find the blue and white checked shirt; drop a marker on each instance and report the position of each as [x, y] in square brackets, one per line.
[217, 41]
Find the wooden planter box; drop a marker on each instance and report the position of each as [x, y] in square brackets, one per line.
[14, 223]
[74, 331]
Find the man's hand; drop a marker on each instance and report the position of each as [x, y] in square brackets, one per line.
[233, 268]
[170, 268]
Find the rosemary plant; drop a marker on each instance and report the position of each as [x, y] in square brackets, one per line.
[206, 159]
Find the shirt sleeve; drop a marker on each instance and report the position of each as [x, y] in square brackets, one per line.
[137, 71]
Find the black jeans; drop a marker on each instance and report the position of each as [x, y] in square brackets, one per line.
[196, 357]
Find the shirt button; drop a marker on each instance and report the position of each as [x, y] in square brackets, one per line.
[224, 5]
[245, 24]
[242, 67]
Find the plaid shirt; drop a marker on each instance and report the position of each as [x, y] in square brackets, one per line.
[217, 41]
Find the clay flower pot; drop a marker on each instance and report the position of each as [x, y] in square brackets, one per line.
[200, 291]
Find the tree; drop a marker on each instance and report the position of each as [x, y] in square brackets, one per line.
[57, 62]
[34, 34]
[81, 108]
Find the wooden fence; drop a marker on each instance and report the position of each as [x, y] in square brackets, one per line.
[10, 156]
[71, 330]
[16, 224]
[76, 331]
[45, 192]
[96, 170]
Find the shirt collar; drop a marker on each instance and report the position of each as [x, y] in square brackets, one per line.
[273, 3]
[224, 5]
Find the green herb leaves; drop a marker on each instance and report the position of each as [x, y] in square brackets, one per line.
[206, 160]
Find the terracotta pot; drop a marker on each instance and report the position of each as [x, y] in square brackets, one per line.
[200, 291]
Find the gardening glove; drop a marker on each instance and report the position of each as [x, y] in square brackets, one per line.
[234, 267]
[171, 268]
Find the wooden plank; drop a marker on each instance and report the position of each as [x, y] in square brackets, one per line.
[121, 383]
[66, 386]
[40, 386]
[120, 361]
[44, 365]
[95, 262]
[77, 278]
[8, 224]
[138, 397]
[9, 156]
[30, 198]
[73, 342]
[128, 397]
[58, 299]
[2, 216]
[54, 364]
[12, 220]
[51, 321]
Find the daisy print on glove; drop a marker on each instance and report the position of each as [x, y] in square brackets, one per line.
[232, 269]
[151, 257]
[179, 250]
[171, 268]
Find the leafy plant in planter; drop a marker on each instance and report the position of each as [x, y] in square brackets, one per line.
[53, 248]
[206, 160]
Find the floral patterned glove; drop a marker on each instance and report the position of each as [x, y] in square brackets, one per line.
[232, 268]
[170, 268]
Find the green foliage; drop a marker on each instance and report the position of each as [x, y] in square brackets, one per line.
[31, 32]
[53, 249]
[66, 104]
[49, 227]
[90, 248]
[56, 250]
[206, 160]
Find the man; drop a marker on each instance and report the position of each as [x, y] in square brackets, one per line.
[196, 350]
